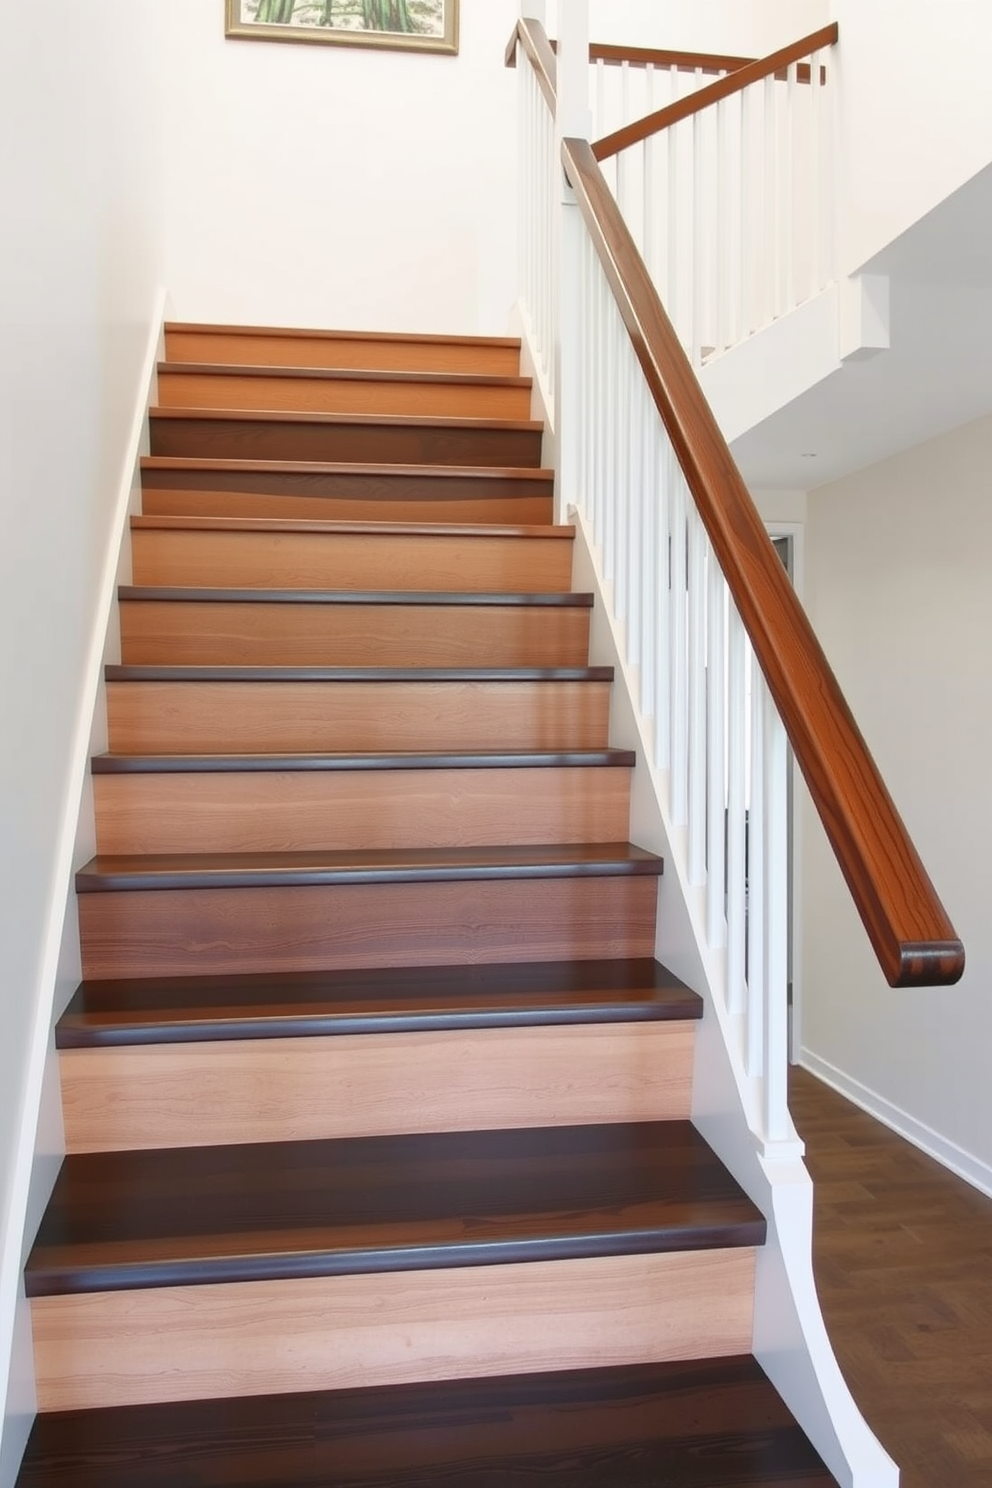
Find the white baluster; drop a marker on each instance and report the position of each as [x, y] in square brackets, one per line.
[770, 204]
[756, 973]
[716, 763]
[736, 814]
[787, 224]
[662, 463]
[777, 1126]
[679, 677]
[697, 699]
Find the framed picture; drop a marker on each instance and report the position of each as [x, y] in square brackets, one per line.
[414, 25]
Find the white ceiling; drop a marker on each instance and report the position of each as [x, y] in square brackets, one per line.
[936, 375]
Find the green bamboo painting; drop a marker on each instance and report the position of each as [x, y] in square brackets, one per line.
[400, 18]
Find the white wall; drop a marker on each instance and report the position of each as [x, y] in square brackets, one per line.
[916, 112]
[79, 272]
[326, 185]
[750, 28]
[898, 564]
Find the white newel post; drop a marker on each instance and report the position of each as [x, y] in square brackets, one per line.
[573, 121]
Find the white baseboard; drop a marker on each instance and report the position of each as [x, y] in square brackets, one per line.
[972, 1169]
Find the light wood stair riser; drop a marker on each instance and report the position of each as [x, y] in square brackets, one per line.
[235, 559]
[268, 811]
[376, 440]
[187, 1343]
[493, 357]
[382, 494]
[229, 633]
[189, 932]
[305, 717]
[303, 1089]
[343, 394]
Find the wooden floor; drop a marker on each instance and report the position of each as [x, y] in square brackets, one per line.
[903, 1261]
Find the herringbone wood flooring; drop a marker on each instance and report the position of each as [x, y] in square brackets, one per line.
[903, 1261]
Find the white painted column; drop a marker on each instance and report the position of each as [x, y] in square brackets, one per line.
[573, 121]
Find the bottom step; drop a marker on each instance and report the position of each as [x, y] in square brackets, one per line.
[703, 1424]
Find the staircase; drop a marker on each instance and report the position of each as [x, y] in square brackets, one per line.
[380, 1168]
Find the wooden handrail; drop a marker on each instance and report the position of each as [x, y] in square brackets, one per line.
[723, 87]
[910, 931]
[615, 56]
[534, 39]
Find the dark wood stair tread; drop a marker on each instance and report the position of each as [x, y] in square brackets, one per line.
[377, 438]
[306, 333]
[343, 468]
[118, 673]
[707, 1423]
[115, 873]
[330, 420]
[172, 594]
[340, 374]
[269, 1211]
[316, 527]
[519, 759]
[402, 1000]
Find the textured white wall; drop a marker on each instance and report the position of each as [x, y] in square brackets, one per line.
[898, 564]
[79, 273]
[325, 185]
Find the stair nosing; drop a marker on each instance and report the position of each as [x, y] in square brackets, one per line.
[342, 374]
[289, 416]
[337, 527]
[523, 599]
[307, 333]
[535, 1194]
[116, 672]
[175, 764]
[158, 872]
[345, 467]
[134, 1011]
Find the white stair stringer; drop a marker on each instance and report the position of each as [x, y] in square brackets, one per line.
[790, 1339]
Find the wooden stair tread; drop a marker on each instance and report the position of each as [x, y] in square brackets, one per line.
[704, 1423]
[372, 529]
[196, 1216]
[400, 1000]
[117, 673]
[173, 594]
[343, 467]
[309, 334]
[151, 764]
[340, 374]
[293, 416]
[111, 873]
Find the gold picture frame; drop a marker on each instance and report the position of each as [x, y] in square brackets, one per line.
[400, 25]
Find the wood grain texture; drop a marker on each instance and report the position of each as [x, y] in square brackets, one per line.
[262, 346]
[907, 925]
[712, 93]
[354, 1085]
[901, 1252]
[273, 557]
[188, 932]
[215, 870]
[456, 395]
[125, 1221]
[377, 440]
[533, 38]
[302, 717]
[276, 811]
[333, 631]
[382, 1000]
[394, 493]
[337, 1332]
[714, 1423]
